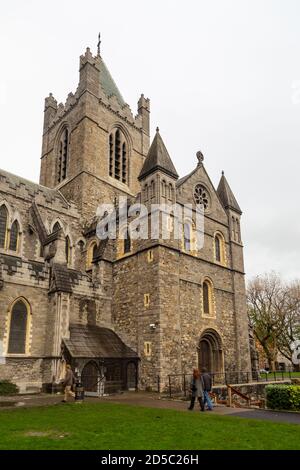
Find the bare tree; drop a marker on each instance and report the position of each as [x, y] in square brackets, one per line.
[263, 294]
[274, 315]
[290, 320]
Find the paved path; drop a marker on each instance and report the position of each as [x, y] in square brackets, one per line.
[151, 400]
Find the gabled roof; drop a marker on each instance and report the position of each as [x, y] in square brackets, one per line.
[92, 341]
[33, 189]
[226, 195]
[158, 158]
[186, 177]
[108, 84]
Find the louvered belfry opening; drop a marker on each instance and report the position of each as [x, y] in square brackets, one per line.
[63, 156]
[118, 156]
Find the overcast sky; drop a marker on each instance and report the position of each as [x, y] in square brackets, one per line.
[223, 77]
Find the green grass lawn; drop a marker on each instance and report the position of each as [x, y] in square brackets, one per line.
[124, 427]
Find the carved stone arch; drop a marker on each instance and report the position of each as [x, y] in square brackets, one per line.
[124, 130]
[63, 125]
[210, 351]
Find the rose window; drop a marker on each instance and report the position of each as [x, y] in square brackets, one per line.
[201, 196]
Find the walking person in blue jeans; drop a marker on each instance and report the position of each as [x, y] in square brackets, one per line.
[207, 386]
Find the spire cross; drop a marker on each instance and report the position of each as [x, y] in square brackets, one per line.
[99, 44]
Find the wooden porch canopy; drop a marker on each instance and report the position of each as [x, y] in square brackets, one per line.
[91, 341]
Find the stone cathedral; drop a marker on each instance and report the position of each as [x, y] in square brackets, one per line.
[135, 310]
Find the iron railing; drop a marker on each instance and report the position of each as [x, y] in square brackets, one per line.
[179, 384]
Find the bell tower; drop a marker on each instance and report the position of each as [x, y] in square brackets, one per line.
[93, 146]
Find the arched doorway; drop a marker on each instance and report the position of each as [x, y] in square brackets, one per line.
[90, 378]
[131, 376]
[210, 352]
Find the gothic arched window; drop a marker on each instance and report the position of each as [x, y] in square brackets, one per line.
[19, 318]
[14, 236]
[63, 153]
[56, 227]
[118, 156]
[218, 248]
[3, 226]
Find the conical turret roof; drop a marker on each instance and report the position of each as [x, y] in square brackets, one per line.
[226, 195]
[159, 159]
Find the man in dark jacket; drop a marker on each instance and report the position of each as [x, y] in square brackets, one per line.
[207, 385]
[68, 382]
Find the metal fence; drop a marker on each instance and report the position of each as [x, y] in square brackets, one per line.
[179, 384]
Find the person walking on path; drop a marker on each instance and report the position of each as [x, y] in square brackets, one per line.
[197, 390]
[68, 382]
[207, 386]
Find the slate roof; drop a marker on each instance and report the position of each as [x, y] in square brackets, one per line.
[226, 195]
[33, 189]
[92, 341]
[61, 279]
[158, 158]
[108, 84]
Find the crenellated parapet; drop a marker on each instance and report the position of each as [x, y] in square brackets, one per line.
[95, 78]
[18, 187]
